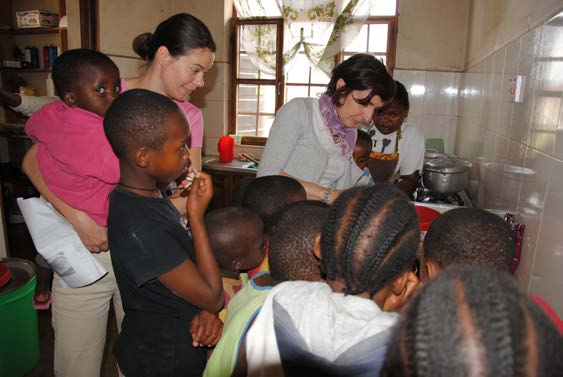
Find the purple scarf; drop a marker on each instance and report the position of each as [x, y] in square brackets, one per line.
[346, 136]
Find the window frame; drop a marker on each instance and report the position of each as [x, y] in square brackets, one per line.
[279, 81]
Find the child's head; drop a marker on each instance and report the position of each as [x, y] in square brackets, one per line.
[147, 131]
[472, 321]
[87, 79]
[237, 239]
[369, 245]
[390, 118]
[266, 196]
[467, 236]
[290, 253]
[362, 149]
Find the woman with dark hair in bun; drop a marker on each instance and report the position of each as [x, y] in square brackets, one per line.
[178, 53]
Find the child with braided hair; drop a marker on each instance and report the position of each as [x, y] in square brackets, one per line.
[474, 321]
[367, 247]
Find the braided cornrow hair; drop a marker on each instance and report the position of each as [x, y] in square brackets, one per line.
[474, 321]
[370, 237]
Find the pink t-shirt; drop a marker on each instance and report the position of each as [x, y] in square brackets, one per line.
[194, 117]
[75, 158]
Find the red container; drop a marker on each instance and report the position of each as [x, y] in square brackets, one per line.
[226, 148]
[426, 216]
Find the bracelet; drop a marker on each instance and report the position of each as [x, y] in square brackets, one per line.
[326, 196]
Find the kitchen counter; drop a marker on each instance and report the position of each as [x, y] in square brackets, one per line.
[235, 166]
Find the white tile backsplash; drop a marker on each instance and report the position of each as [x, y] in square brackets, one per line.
[517, 148]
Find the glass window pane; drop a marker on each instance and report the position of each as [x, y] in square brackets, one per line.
[264, 125]
[359, 44]
[316, 91]
[246, 125]
[267, 102]
[292, 92]
[378, 38]
[247, 98]
[382, 7]
[319, 77]
[299, 72]
[246, 70]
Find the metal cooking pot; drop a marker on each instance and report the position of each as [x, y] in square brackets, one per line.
[446, 175]
[431, 154]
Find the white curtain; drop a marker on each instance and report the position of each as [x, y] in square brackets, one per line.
[322, 27]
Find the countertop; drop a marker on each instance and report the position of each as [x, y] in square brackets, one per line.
[235, 166]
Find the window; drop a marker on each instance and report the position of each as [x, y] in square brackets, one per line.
[257, 93]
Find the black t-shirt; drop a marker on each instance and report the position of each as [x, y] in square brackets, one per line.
[147, 239]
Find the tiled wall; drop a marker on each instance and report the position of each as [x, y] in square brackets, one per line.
[517, 148]
[433, 98]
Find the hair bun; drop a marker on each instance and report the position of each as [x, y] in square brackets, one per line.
[143, 46]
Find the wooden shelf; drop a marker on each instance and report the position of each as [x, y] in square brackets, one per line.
[35, 30]
[26, 69]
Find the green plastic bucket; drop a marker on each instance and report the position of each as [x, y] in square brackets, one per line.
[19, 334]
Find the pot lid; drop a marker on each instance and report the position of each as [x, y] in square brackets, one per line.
[447, 165]
[21, 272]
[428, 154]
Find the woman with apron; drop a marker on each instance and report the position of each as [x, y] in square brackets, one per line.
[398, 148]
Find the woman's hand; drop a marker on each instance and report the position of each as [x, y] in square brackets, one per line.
[201, 192]
[206, 329]
[93, 236]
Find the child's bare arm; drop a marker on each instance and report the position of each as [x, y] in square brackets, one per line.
[198, 283]
[93, 236]
[10, 99]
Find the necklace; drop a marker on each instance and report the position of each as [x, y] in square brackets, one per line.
[139, 188]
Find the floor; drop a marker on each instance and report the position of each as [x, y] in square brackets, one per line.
[21, 246]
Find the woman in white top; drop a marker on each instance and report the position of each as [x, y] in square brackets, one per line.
[397, 147]
[312, 140]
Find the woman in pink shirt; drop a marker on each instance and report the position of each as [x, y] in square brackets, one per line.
[179, 52]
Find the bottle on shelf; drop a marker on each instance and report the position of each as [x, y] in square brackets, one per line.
[18, 54]
[46, 61]
[34, 57]
[52, 54]
[27, 57]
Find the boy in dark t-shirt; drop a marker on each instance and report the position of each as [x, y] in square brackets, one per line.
[164, 280]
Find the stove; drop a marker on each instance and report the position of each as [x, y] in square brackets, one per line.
[443, 201]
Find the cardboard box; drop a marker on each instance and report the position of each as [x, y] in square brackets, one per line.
[37, 18]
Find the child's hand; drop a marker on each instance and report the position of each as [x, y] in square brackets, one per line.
[206, 329]
[201, 192]
[93, 236]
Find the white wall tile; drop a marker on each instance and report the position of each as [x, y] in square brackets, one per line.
[558, 148]
[440, 126]
[492, 97]
[531, 207]
[506, 98]
[521, 113]
[442, 93]
[546, 279]
[414, 81]
[548, 72]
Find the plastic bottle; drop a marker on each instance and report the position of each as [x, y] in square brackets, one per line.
[52, 54]
[226, 148]
[46, 62]
[34, 57]
[27, 57]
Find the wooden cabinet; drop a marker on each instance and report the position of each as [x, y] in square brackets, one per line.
[11, 36]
